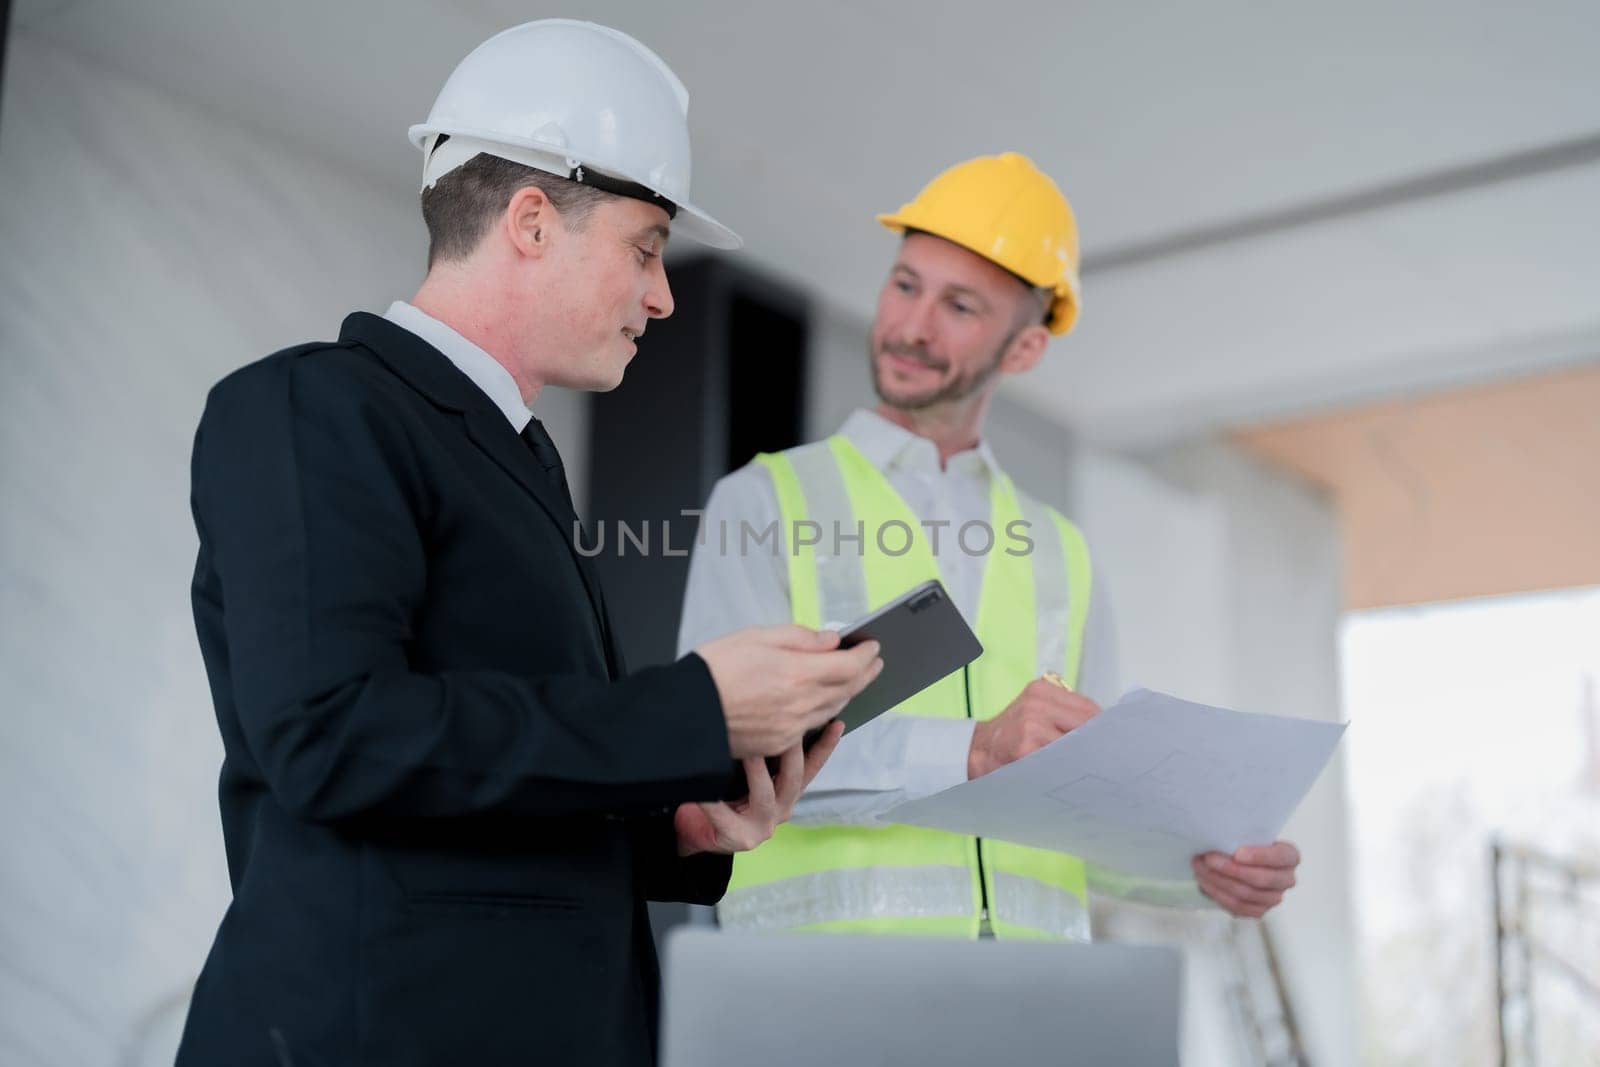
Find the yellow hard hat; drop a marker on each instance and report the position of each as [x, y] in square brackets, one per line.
[1009, 212]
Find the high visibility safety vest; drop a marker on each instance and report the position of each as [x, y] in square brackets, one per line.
[1031, 614]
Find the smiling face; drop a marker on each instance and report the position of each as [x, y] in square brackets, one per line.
[604, 282]
[948, 321]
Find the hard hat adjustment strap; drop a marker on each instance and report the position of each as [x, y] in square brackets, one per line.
[618, 187]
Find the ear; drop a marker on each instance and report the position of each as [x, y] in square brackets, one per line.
[530, 222]
[1026, 349]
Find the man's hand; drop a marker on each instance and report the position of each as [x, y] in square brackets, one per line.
[778, 682]
[1042, 712]
[744, 824]
[1252, 881]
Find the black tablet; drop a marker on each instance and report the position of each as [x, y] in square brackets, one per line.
[922, 638]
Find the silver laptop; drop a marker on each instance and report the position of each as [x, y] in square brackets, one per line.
[844, 1001]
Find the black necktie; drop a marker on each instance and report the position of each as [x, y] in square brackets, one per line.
[544, 450]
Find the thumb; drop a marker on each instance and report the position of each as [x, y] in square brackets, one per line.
[826, 639]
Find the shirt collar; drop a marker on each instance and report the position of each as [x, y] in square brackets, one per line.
[485, 371]
[886, 444]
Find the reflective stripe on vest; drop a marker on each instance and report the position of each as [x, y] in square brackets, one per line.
[1031, 614]
[878, 893]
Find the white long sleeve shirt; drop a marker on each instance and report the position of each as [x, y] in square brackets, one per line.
[894, 758]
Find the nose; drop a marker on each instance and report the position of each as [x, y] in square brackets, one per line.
[917, 326]
[658, 302]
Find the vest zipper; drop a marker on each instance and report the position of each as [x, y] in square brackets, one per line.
[985, 928]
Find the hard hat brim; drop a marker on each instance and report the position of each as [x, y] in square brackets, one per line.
[696, 225]
[900, 222]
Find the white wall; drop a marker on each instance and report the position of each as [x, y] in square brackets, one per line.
[149, 249]
[838, 379]
[1162, 550]
[1284, 579]
[1225, 576]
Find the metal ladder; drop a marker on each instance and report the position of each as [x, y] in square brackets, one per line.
[1547, 922]
[1263, 1017]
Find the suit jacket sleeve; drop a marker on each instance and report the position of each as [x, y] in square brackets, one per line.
[308, 496]
[666, 876]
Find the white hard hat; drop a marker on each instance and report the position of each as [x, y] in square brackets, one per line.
[577, 100]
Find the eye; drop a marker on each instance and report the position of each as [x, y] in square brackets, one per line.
[961, 307]
[903, 285]
[645, 254]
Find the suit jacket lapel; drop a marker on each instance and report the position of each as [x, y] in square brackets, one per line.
[491, 433]
[432, 374]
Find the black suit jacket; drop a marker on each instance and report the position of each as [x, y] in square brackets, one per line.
[444, 806]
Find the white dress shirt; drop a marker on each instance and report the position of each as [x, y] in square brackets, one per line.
[484, 370]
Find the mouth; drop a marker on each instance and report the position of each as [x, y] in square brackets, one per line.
[907, 364]
[632, 334]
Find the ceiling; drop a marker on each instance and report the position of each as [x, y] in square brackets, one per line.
[1285, 206]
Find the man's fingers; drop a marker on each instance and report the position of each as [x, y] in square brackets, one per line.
[1062, 708]
[821, 751]
[1238, 890]
[1235, 898]
[1234, 906]
[850, 663]
[763, 797]
[1051, 719]
[835, 698]
[729, 828]
[791, 776]
[1256, 876]
[871, 669]
[1217, 885]
[717, 815]
[1066, 719]
[799, 766]
[841, 668]
[800, 638]
[1067, 709]
[1277, 854]
[843, 689]
[1038, 733]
